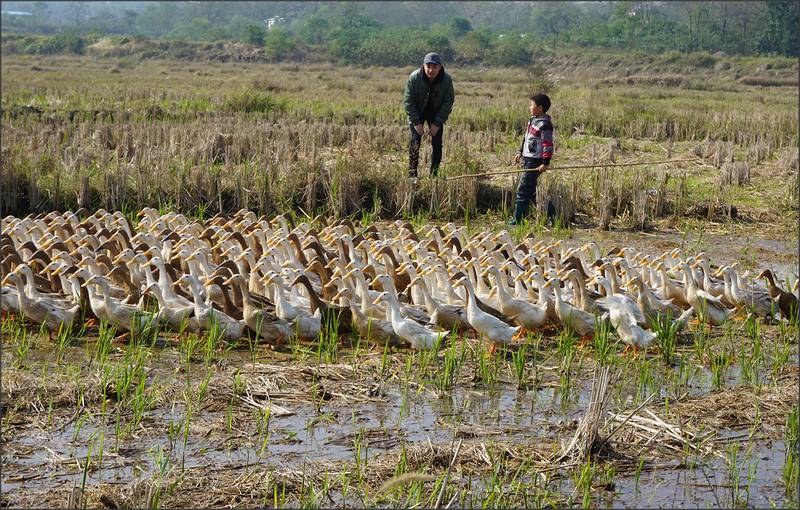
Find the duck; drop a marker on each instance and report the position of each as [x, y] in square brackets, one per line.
[409, 311]
[708, 308]
[786, 301]
[208, 317]
[330, 312]
[671, 290]
[262, 322]
[585, 299]
[755, 300]
[178, 318]
[9, 299]
[664, 313]
[417, 335]
[521, 312]
[579, 321]
[40, 309]
[618, 299]
[368, 328]
[121, 315]
[488, 326]
[451, 317]
[306, 325]
[713, 287]
[620, 316]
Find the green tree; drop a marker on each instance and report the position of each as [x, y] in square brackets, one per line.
[780, 33]
[475, 45]
[314, 30]
[254, 34]
[459, 26]
[278, 45]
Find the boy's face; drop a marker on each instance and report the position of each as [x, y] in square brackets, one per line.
[536, 110]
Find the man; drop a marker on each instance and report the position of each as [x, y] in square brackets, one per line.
[428, 99]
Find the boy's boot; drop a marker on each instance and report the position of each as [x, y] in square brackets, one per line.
[520, 211]
[551, 213]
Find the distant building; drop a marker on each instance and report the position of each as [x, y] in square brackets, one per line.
[275, 20]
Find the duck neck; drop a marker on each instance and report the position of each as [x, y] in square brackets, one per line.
[500, 285]
[426, 296]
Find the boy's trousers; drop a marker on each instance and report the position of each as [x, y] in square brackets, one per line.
[526, 189]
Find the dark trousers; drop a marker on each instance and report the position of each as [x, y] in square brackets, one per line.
[526, 189]
[413, 150]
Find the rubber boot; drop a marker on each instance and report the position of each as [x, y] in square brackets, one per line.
[520, 211]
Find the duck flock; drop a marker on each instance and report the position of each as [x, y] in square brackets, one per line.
[247, 275]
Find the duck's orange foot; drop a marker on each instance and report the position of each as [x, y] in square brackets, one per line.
[493, 348]
[520, 334]
[123, 337]
[626, 350]
[90, 323]
[584, 341]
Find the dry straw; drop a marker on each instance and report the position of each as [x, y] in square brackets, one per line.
[594, 165]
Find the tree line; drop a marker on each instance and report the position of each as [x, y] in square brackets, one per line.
[398, 33]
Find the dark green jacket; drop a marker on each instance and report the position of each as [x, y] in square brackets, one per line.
[419, 91]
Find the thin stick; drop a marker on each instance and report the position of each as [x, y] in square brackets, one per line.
[447, 475]
[595, 165]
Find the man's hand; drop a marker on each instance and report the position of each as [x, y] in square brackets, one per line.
[433, 130]
[541, 168]
[420, 129]
[517, 158]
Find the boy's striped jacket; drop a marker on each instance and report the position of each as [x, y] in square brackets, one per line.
[538, 141]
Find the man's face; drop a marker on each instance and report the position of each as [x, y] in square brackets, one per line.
[432, 70]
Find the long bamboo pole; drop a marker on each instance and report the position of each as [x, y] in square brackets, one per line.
[518, 171]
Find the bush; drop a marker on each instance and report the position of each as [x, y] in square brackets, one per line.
[249, 101]
[66, 42]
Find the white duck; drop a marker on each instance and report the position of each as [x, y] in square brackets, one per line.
[489, 326]
[306, 325]
[207, 316]
[420, 337]
[178, 318]
[120, 315]
[625, 323]
[523, 313]
[579, 321]
[708, 308]
[40, 309]
[369, 328]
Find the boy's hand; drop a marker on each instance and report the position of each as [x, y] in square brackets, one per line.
[541, 168]
[517, 158]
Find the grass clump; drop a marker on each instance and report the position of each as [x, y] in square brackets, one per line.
[250, 101]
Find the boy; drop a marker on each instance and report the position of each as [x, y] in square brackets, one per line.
[535, 154]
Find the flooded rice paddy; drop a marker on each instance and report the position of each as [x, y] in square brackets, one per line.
[92, 421]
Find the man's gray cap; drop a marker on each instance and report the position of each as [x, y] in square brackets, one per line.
[432, 58]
